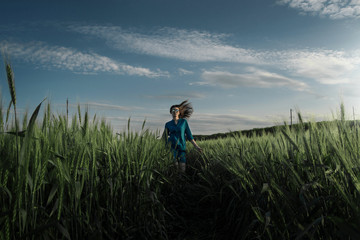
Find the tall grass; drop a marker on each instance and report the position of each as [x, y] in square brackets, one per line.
[81, 182]
[76, 179]
[293, 184]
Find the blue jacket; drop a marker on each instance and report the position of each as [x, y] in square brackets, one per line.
[176, 133]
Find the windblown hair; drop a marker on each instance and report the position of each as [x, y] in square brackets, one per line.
[185, 109]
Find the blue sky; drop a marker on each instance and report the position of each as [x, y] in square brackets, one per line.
[243, 64]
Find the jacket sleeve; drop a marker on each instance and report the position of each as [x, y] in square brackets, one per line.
[189, 135]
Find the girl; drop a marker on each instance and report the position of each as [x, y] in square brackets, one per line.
[177, 129]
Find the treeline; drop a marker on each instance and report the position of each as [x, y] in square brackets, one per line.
[269, 130]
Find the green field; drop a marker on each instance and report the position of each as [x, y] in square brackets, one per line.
[75, 178]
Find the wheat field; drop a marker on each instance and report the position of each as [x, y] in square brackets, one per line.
[75, 178]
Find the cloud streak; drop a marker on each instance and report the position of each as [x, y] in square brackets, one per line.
[324, 66]
[177, 96]
[173, 43]
[104, 106]
[49, 57]
[328, 67]
[200, 123]
[208, 123]
[183, 72]
[254, 78]
[334, 9]
[321, 65]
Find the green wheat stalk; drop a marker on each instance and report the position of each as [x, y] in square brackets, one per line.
[11, 83]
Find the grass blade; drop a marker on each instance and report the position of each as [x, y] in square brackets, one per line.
[33, 118]
[11, 81]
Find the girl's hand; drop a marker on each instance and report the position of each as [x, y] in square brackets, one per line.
[198, 148]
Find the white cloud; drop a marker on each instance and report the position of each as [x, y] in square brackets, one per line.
[200, 83]
[178, 96]
[172, 43]
[200, 123]
[185, 72]
[45, 56]
[334, 9]
[228, 119]
[254, 78]
[209, 123]
[323, 66]
[104, 106]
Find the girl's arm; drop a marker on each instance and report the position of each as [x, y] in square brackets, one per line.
[196, 146]
[189, 136]
[165, 135]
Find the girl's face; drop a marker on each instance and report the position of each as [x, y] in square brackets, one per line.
[175, 112]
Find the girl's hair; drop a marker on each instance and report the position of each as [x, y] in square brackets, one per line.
[185, 109]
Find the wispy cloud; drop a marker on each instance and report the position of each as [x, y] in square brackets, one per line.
[185, 72]
[321, 65]
[200, 123]
[335, 9]
[188, 45]
[226, 119]
[209, 123]
[324, 66]
[46, 56]
[201, 84]
[177, 96]
[104, 106]
[99, 107]
[254, 78]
